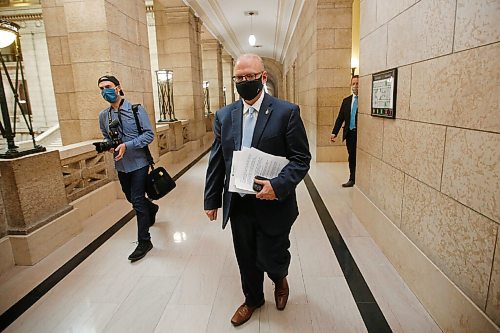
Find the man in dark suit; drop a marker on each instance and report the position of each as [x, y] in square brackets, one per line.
[348, 115]
[260, 223]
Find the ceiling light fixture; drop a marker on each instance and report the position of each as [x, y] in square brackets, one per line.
[251, 39]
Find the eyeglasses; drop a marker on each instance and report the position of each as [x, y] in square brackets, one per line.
[247, 77]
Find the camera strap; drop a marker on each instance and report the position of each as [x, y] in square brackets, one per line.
[135, 111]
[110, 117]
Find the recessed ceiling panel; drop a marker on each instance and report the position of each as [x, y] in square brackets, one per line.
[227, 21]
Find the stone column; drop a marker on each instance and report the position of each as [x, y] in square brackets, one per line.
[33, 191]
[87, 39]
[227, 76]
[212, 69]
[334, 21]
[179, 49]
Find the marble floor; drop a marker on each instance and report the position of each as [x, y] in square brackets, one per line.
[189, 282]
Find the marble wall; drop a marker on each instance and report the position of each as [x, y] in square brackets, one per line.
[434, 171]
[317, 71]
[275, 76]
[153, 54]
[227, 76]
[289, 81]
[212, 70]
[302, 52]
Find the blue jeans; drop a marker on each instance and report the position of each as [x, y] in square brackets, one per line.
[134, 186]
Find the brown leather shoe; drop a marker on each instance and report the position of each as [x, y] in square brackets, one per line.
[244, 313]
[281, 292]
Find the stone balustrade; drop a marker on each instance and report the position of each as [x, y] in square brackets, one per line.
[57, 190]
[84, 170]
[163, 133]
[185, 131]
[172, 136]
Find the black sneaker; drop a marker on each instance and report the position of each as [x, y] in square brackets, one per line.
[153, 211]
[140, 251]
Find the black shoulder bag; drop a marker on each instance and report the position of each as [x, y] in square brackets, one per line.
[159, 182]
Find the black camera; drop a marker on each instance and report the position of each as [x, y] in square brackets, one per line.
[115, 138]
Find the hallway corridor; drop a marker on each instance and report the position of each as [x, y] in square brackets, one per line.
[406, 91]
[189, 282]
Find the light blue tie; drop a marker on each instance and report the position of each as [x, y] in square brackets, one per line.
[354, 110]
[248, 126]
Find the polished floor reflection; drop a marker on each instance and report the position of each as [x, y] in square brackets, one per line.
[189, 282]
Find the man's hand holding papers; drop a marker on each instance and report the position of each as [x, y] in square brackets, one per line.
[252, 162]
[267, 191]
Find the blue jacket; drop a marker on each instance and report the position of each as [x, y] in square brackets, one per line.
[135, 156]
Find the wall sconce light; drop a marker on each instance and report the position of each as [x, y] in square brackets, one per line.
[165, 80]
[354, 65]
[9, 33]
[206, 97]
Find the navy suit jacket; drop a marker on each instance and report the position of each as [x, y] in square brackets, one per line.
[279, 131]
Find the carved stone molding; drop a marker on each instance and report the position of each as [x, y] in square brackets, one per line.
[84, 173]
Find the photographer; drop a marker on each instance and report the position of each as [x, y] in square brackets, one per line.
[122, 138]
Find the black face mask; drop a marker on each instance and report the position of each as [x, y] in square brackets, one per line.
[249, 89]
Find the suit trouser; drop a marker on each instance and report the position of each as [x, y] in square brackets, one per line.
[256, 251]
[134, 186]
[351, 140]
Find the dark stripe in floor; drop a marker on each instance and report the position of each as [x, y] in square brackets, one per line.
[370, 311]
[16, 310]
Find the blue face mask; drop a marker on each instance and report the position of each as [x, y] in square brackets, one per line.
[109, 94]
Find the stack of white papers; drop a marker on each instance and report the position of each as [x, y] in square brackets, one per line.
[251, 162]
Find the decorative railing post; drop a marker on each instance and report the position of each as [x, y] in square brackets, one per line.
[206, 97]
[164, 78]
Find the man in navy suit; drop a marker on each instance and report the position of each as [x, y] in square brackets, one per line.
[260, 223]
[348, 115]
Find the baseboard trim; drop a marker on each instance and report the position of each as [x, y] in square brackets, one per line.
[6, 255]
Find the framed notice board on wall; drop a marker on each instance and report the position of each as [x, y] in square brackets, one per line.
[384, 92]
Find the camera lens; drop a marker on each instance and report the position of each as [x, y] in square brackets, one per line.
[102, 146]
